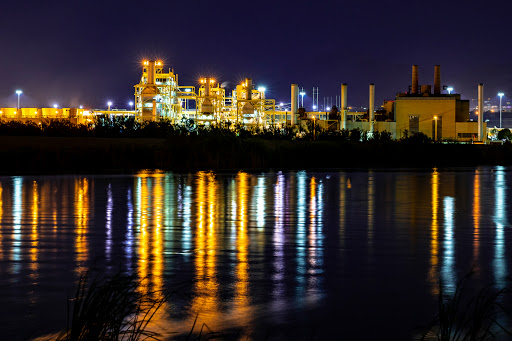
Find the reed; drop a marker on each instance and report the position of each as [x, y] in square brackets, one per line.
[112, 309]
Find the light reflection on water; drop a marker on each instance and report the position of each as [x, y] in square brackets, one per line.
[253, 249]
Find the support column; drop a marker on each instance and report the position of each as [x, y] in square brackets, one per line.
[294, 101]
[371, 107]
[344, 106]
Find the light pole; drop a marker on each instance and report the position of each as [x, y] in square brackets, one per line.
[302, 93]
[109, 105]
[435, 128]
[19, 92]
[449, 89]
[501, 94]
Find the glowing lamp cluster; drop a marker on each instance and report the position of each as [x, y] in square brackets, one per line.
[204, 80]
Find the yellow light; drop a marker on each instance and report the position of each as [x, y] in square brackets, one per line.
[212, 80]
[435, 117]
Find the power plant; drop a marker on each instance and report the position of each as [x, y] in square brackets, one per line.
[159, 96]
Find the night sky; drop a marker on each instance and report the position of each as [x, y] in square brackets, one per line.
[89, 52]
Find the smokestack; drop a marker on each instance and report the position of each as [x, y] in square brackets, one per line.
[481, 112]
[207, 87]
[248, 83]
[294, 100]
[151, 72]
[426, 89]
[344, 106]
[414, 86]
[437, 80]
[371, 106]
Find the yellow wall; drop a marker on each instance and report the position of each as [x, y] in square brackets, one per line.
[426, 108]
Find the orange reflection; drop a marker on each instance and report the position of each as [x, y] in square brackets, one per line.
[34, 238]
[81, 222]
[206, 303]
[343, 186]
[476, 218]
[1, 215]
[242, 245]
[142, 214]
[434, 238]
[158, 254]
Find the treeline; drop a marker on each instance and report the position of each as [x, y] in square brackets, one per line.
[128, 127]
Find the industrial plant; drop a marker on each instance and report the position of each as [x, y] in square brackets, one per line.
[159, 96]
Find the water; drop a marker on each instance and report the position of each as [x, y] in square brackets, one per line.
[285, 255]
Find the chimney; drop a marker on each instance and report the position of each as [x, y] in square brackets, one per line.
[371, 106]
[151, 72]
[481, 112]
[295, 102]
[248, 85]
[414, 86]
[437, 80]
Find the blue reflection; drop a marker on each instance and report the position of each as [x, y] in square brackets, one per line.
[128, 249]
[301, 234]
[187, 213]
[448, 273]
[260, 202]
[110, 204]
[278, 240]
[17, 199]
[500, 207]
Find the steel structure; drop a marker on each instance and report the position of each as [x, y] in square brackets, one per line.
[158, 96]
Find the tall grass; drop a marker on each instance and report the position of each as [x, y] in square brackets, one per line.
[114, 309]
[475, 318]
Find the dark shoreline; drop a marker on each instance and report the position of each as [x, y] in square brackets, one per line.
[80, 155]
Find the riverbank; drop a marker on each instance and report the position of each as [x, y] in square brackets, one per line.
[40, 154]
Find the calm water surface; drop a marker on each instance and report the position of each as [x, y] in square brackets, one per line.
[285, 254]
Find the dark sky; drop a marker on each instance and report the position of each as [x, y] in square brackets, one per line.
[87, 52]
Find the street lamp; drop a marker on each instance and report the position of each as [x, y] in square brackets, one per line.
[501, 94]
[449, 89]
[109, 105]
[19, 92]
[302, 93]
[131, 105]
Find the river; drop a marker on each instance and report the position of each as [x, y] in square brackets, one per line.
[277, 255]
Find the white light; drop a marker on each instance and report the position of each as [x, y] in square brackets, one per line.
[130, 103]
[81, 107]
[19, 92]
[314, 107]
[262, 89]
[450, 89]
[501, 94]
[109, 103]
[302, 93]
[281, 104]
[188, 90]
[55, 106]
